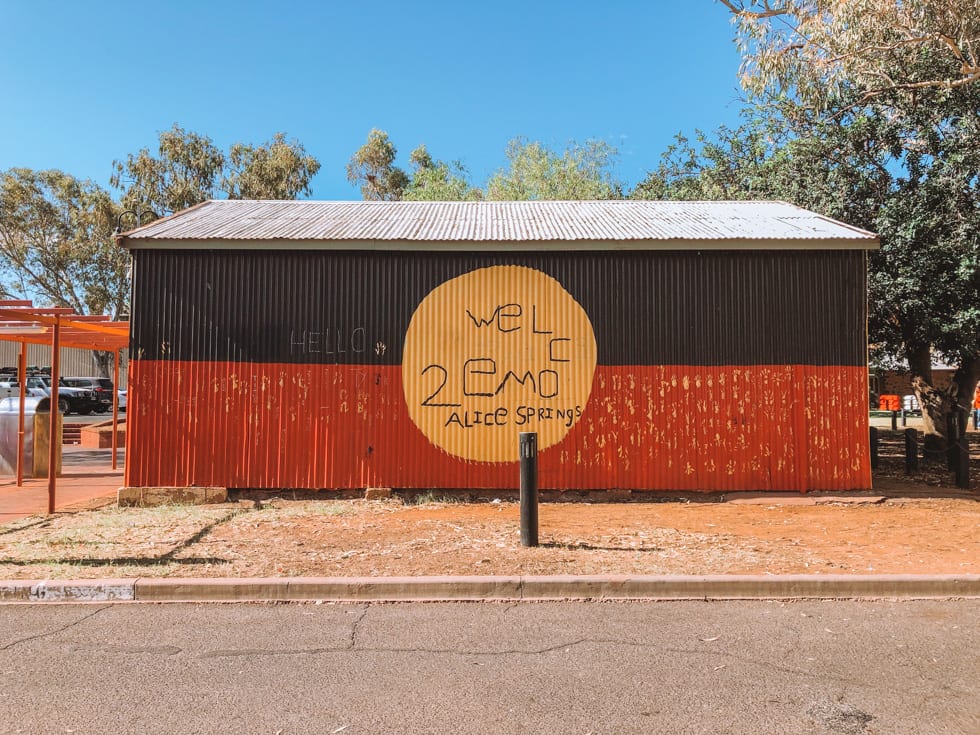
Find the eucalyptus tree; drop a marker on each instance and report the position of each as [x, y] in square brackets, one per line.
[56, 244]
[816, 49]
[534, 171]
[436, 180]
[277, 169]
[188, 168]
[372, 168]
[876, 105]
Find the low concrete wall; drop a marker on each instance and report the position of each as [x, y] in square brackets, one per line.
[149, 496]
[99, 436]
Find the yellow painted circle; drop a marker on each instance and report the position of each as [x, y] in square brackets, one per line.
[495, 352]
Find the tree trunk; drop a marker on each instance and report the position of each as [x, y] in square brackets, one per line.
[937, 404]
[964, 387]
[105, 362]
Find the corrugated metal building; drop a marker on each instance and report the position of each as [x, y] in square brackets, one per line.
[652, 345]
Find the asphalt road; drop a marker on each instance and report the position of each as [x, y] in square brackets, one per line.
[720, 667]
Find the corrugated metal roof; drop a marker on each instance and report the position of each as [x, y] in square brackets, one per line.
[616, 224]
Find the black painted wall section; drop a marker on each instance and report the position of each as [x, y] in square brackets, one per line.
[646, 307]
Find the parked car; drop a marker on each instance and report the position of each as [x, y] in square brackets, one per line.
[122, 399]
[102, 388]
[71, 399]
[10, 387]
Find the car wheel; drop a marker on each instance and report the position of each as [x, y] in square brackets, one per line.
[63, 406]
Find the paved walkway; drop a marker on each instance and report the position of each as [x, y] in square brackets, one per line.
[87, 480]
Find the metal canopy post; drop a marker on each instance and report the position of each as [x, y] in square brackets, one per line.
[115, 408]
[22, 379]
[53, 408]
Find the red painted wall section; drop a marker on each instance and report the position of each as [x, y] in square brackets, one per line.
[672, 427]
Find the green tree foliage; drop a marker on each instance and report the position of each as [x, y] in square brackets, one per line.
[925, 281]
[188, 168]
[434, 180]
[534, 171]
[883, 98]
[743, 163]
[372, 167]
[911, 177]
[832, 169]
[56, 244]
[185, 171]
[279, 169]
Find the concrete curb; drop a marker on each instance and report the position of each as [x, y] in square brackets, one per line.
[69, 590]
[435, 589]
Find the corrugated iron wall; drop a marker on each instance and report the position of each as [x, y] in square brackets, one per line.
[644, 370]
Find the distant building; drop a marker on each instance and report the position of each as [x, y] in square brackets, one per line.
[73, 361]
[899, 382]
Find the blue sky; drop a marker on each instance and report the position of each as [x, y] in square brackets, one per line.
[85, 83]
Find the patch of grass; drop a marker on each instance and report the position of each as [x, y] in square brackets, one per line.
[21, 524]
[68, 538]
[294, 509]
[103, 536]
[87, 569]
[155, 514]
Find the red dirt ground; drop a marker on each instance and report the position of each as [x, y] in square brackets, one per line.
[897, 535]
[918, 525]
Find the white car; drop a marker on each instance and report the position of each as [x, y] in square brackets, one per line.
[70, 399]
[122, 399]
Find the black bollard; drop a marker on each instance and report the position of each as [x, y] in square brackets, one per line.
[962, 463]
[905, 418]
[529, 488]
[873, 431]
[894, 420]
[911, 451]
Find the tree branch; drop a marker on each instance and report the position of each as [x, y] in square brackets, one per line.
[740, 11]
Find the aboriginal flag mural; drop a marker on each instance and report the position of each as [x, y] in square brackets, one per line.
[686, 370]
